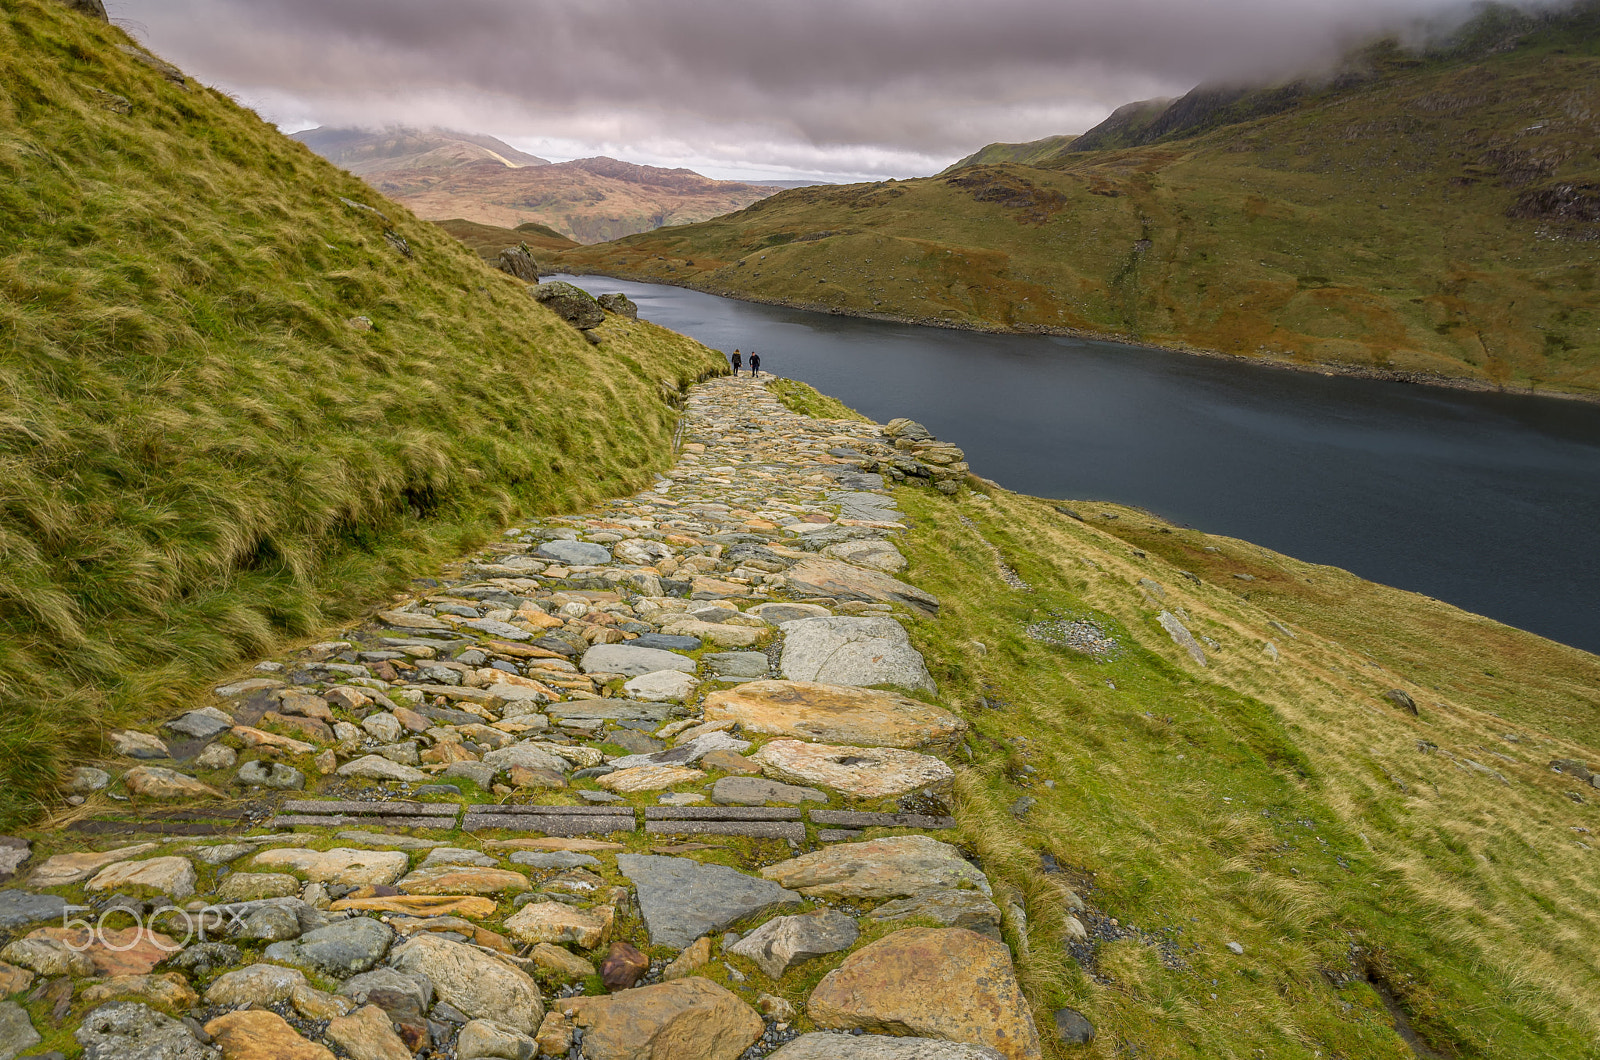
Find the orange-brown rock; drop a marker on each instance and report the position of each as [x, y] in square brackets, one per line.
[689, 1019]
[257, 1035]
[947, 983]
[833, 714]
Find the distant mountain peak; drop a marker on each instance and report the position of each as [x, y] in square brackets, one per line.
[368, 152]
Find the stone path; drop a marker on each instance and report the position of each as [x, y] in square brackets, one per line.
[616, 787]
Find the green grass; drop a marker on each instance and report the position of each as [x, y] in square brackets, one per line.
[1282, 805]
[1402, 225]
[203, 450]
[804, 399]
[1030, 153]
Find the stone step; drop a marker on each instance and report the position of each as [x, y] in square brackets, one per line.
[837, 835]
[376, 809]
[721, 813]
[549, 811]
[753, 829]
[319, 820]
[120, 828]
[552, 824]
[859, 819]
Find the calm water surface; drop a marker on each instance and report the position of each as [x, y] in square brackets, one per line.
[1488, 501]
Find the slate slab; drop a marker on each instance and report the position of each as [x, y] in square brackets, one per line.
[630, 661]
[853, 651]
[681, 899]
[576, 553]
[19, 908]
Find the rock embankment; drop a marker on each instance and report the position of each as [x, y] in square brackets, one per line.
[667, 779]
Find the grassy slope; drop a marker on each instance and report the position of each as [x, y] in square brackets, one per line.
[1365, 228]
[200, 453]
[1285, 805]
[488, 240]
[1030, 153]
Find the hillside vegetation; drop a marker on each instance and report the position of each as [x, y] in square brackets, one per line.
[399, 150]
[1435, 218]
[241, 394]
[489, 240]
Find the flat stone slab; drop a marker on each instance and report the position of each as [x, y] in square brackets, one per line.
[719, 813]
[893, 867]
[838, 835]
[853, 651]
[576, 553]
[375, 809]
[665, 642]
[872, 553]
[648, 778]
[833, 714]
[20, 908]
[752, 829]
[860, 819]
[317, 820]
[950, 907]
[620, 711]
[681, 899]
[512, 809]
[562, 825]
[630, 661]
[757, 791]
[841, 581]
[339, 865]
[742, 664]
[825, 1045]
[779, 613]
[865, 772]
[684, 754]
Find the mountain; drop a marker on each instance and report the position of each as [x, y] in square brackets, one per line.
[444, 175]
[244, 395]
[489, 240]
[401, 150]
[1432, 215]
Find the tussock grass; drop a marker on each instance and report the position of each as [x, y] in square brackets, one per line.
[1283, 805]
[806, 400]
[203, 447]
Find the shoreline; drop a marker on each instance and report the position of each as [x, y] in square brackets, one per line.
[1326, 368]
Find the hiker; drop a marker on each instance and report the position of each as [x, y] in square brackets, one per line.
[738, 362]
[755, 364]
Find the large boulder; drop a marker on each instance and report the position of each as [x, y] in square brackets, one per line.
[518, 261]
[686, 1019]
[92, 8]
[945, 983]
[619, 304]
[126, 1030]
[853, 651]
[573, 304]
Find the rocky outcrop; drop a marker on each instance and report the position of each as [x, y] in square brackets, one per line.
[572, 304]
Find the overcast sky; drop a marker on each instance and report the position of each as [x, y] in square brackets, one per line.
[832, 89]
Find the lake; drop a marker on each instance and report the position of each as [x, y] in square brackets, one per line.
[1488, 501]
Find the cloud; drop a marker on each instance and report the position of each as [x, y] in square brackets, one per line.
[851, 88]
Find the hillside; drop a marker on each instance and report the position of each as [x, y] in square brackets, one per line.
[241, 394]
[401, 150]
[489, 240]
[1028, 154]
[1434, 220]
[588, 200]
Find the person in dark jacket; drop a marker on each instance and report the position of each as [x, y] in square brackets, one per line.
[755, 364]
[738, 362]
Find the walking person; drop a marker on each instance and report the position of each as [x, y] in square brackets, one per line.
[738, 362]
[755, 364]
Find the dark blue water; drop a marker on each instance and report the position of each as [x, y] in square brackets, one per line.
[1488, 501]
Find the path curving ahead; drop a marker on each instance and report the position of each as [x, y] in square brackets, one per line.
[619, 785]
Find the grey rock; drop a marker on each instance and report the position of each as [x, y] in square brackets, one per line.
[630, 661]
[1235, 948]
[216, 756]
[14, 853]
[16, 1030]
[19, 908]
[870, 507]
[272, 775]
[619, 304]
[737, 663]
[488, 1040]
[126, 1030]
[555, 859]
[203, 723]
[754, 791]
[438, 789]
[456, 856]
[1072, 1027]
[600, 796]
[528, 755]
[477, 772]
[576, 553]
[377, 767]
[338, 950]
[681, 899]
[200, 959]
[1181, 636]
[267, 923]
[824, 1045]
[86, 780]
[572, 304]
[785, 941]
[665, 641]
[853, 651]
[1402, 699]
[685, 754]
[518, 261]
[949, 907]
[221, 854]
[779, 613]
[412, 984]
[635, 742]
[404, 753]
[92, 8]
